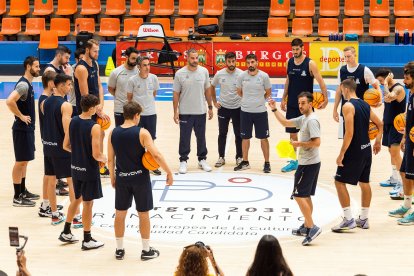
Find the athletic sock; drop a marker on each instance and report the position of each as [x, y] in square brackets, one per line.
[364, 213]
[17, 190]
[45, 204]
[347, 213]
[145, 244]
[66, 230]
[408, 201]
[55, 214]
[120, 243]
[87, 236]
[394, 172]
[23, 187]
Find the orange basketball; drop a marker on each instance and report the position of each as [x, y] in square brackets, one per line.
[412, 134]
[372, 131]
[149, 162]
[318, 98]
[399, 122]
[103, 123]
[372, 96]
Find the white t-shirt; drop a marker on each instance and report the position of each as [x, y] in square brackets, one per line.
[309, 128]
[143, 92]
[253, 89]
[118, 79]
[228, 91]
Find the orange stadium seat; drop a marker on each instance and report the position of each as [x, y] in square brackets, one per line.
[403, 8]
[278, 8]
[19, 7]
[327, 26]
[379, 27]
[60, 25]
[379, 8]
[2, 7]
[131, 26]
[354, 8]
[34, 26]
[90, 7]
[305, 8]
[188, 7]
[116, 7]
[11, 25]
[329, 8]
[402, 24]
[42, 8]
[207, 21]
[165, 22]
[181, 26]
[164, 7]
[353, 26]
[67, 7]
[139, 9]
[213, 7]
[302, 26]
[84, 24]
[48, 40]
[277, 26]
[110, 26]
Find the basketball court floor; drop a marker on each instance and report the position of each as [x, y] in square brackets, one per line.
[227, 210]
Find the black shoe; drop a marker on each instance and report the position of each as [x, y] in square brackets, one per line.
[59, 207]
[266, 167]
[23, 202]
[119, 254]
[156, 172]
[244, 165]
[45, 213]
[61, 191]
[29, 195]
[151, 254]
[61, 183]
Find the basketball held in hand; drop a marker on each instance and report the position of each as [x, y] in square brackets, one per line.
[318, 98]
[372, 97]
[103, 123]
[399, 122]
[372, 131]
[149, 162]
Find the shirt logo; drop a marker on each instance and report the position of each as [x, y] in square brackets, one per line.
[77, 168]
[46, 143]
[365, 146]
[122, 174]
[357, 81]
[303, 73]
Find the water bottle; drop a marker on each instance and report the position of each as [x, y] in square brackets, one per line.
[412, 38]
[341, 37]
[406, 37]
[330, 37]
[336, 37]
[397, 37]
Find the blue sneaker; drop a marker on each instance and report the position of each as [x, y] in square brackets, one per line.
[398, 188]
[362, 223]
[301, 231]
[408, 220]
[312, 234]
[399, 213]
[344, 225]
[292, 166]
[390, 182]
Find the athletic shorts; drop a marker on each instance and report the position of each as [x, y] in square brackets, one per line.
[290, 114]
[24, 145]
[59, 167]
[407, 165]
[141, 192]
[306, 178]
[149, 122]
[356, 169]
[258, 120]
[391, 136]
[119, 118]
[88, 190]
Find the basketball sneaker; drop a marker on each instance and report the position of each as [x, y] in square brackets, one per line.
[31, 196]
[202, 164]
[119, 254]
[291, 166]
[399, 213]
[58, 219]
[69, 238]
[362, 223]
[77, 222]
[390, 182]
[301, 231]
[151, 254]
[45, 213]
[61, 191]
[238, 160]
[61, 182]
[156, 172]
[92, 244]
[266, 167]
[312, 234]
[408, 220]
[244, 165]
[183, 167]
[398, 188]
[344, 226]
[220, 162]
[21, 201]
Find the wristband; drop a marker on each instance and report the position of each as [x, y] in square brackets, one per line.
[274, 110]
[210, 107]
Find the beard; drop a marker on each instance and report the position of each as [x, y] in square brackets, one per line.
[194, 64]
[251, 68]
[298, 55]
[231, 68]
[91, 57]
[34, 73]
[131, 64]
[409, 86]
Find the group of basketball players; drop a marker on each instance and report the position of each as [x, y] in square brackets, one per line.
[73, 142]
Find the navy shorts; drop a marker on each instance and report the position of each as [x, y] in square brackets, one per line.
[24, 145]
[59, 167]
[149, 123]
[290, 114]
[141, 192]
[306, 178]
[258, 120]
[119, 118]
[407, 165]
[356, 169]
[391, 136]
[88, 190]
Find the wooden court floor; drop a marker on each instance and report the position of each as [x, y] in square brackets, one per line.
[384, 249]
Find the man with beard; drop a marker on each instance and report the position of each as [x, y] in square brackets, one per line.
[87, 81]
[301, 71]
[118, 80]
[228, 106]
[253, 86]
[60, 64]
[191, 89]
[21, 103]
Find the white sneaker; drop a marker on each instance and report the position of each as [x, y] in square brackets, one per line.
[239, 160]
[220, 162]
[183, 167]
[202, 164]
[92, 244]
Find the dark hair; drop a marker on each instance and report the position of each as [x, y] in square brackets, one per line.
[383, 72]
[297, 42]
[130, 50]
[141, 59]
[80, 51]
[62, 49]
[29, 61]
[229, 55]
[409, 69]
[90, 43]
[306, 94]
[88, 101]
[269, 260]
[48, 76]
[61, 78]
[350, 84]
[251, 56]
[131, 109]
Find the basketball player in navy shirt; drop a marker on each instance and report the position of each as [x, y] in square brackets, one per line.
[301, 71]
[355, 157]
[127, 144]
[83, 141]
[22, 104]
[60, 63]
